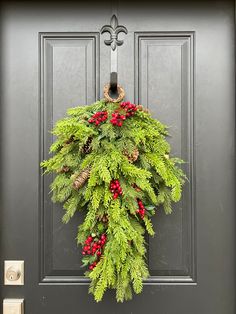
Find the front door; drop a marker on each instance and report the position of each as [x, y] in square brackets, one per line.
[177, 59]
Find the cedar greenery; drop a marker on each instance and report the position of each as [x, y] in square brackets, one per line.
[102, 153]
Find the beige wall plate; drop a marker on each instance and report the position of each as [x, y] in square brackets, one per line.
[14, 273]
[13, 306]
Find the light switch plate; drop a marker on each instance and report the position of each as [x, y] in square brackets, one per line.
[17, 266]
[13, 306]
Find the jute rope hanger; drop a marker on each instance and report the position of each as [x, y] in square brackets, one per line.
[108, 98]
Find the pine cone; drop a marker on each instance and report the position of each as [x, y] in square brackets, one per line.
[64, 169]
[140, 107]
[87, 146]
[133, 156]
[81, 179]
[70, 140]
[136, 187]
[103, 218]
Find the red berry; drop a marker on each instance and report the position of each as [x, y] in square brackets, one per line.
[91, 267]
[103, 238]
[141, 209]
[83, 253]
[99, 253]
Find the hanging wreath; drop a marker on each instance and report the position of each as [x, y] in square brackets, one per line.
[112, 161]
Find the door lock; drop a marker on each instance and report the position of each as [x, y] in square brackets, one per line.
[14, 272]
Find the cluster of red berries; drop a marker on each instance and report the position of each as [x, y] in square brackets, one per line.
[117, 119]
[115, 188]
[98, 117]
[129, 108]
[94, 246]
[141, 210]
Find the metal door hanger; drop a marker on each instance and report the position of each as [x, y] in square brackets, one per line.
[114, 29]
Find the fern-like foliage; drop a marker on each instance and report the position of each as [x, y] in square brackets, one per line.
[150, 180]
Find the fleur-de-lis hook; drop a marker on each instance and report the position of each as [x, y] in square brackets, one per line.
[114, 29]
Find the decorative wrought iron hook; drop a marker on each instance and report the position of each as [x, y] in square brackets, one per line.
[114, 29]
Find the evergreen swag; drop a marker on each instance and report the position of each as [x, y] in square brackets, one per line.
[112, 161]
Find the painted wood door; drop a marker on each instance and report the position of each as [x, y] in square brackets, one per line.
[177, 59]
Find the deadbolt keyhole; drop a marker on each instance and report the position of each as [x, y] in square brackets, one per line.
[13, 273]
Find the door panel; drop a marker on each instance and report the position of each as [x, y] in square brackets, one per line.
[164, 83]
[69, 65]
[177, 60]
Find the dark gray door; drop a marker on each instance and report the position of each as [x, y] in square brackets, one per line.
[177, 59]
